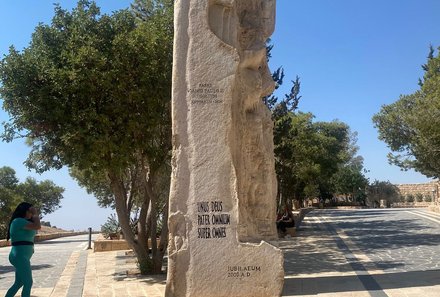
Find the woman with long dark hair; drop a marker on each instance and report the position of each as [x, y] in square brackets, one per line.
[22, 228]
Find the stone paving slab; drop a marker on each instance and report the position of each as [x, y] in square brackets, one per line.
[106, 277]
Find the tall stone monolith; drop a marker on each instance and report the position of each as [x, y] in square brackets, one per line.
[222, 201]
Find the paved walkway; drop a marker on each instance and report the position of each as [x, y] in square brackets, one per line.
[337, 253]
[58, 267]
[107, 276]
[379, 253]
[64, 268]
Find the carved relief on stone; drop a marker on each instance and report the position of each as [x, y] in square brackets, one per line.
[222, 20]
[256, 164]
[179, 240]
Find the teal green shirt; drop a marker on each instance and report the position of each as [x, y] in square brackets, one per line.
[19, 233]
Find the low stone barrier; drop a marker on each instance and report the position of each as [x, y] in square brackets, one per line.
[43, 237]
[434, 208]
[411, 204]
[298, 216]
[107, 245]
[4, 243]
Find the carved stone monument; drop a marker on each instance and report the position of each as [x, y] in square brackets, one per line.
[222, 201]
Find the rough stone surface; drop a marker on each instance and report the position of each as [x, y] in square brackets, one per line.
[222, 201]
[430, 189]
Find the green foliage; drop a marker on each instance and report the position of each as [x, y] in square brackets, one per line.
[8, 179]
[111, 226]
[95, 183]
[308, 154]
[379, 190]
[349, 180]
[410, 126]
[45, 195]
[409, 198]
[419, 197]
[47, 224]
[427, 198]
[89, 89]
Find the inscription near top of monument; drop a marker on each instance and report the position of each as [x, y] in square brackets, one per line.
[205, 93]
[210, 213]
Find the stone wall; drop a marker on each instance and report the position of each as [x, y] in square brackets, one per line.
[430, 189]
[106, 245]
[434, 208]
[43, 237]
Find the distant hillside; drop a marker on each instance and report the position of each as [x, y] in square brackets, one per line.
[50, 230]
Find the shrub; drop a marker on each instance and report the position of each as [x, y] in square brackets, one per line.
[47, 224]
[428, 198]
[419, 197]
[111, 227]
[409, 198]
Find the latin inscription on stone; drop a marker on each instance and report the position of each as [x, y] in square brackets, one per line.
[243, 271]
[212, 220]
[205, 93]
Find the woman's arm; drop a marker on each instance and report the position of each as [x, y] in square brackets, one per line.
[35, 224]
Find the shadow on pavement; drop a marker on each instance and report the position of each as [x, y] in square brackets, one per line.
[147, 279]
[370, 233]
[319, 256]
[60, 241]
[333, 284]
[6, 269]
[155, 279]
[392, 234]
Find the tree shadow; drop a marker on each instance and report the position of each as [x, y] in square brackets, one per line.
[327, 253]
[132, 272]
[320, 256]
[147, 279]
[370, 233]
[6, 269]
[388, 234]
[319, 249]
[351, 283]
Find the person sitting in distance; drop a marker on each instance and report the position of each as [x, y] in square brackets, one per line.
[285, 222]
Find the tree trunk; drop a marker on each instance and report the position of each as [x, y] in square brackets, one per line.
[147, 223]
[163, 244]
[139, 246]
[157, 256]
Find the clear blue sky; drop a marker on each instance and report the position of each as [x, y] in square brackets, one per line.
[352, 57]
